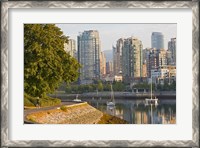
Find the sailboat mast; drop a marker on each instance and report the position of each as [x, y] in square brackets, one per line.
[111, 92]
[112, 95]
[151, 86]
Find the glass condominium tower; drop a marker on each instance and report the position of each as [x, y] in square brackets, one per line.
[157, 40]
[89, 56]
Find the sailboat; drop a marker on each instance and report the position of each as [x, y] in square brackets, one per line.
[151, 100]
[77, 100]
[111, 103]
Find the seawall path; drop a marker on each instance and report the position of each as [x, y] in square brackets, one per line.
[81, 113]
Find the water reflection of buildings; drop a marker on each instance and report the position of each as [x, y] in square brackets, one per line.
[141, 117]
[119, 113]
[153, 116]
[111, 110]
[139, 114]
[167, 117]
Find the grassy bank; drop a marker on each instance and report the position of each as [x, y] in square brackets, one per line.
[30, 101]
[108, 119]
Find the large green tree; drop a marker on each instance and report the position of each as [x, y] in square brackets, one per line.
[46, 64]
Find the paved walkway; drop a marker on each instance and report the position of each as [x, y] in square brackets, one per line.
[29, 111]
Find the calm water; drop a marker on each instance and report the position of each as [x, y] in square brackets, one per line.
[135, 111]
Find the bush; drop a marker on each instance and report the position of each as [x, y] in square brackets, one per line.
[28, 102]
[31, 119]
[46, 101]
[31, 99]
[49, 101]
[63, 108]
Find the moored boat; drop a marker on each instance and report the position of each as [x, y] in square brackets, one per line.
[153, 101]
[77, 100]
[111, 103]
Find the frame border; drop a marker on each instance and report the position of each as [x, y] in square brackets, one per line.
[5, 6]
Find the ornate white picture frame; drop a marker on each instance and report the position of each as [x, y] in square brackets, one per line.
[6, 130]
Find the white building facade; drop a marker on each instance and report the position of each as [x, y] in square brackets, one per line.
[70, 48]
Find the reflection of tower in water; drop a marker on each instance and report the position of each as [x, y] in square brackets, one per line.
[138, 114]
[119, 113]
[131, 112]
[163, 115]
[151, 114]
[111, 110]
[170, 114]
[141, 117]
[97, 104]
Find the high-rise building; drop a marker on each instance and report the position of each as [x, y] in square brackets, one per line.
[89, 56]
[162, 57]
[172, 49]
[144, 69]
[156, 58]
[70, 47]
[153, 61]
[157, 40]
[102, 64]
[145, 56]
[117, 57]
[132, 59]
[109, 67]
[169, 58]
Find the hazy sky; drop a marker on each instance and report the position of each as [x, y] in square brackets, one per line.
[110, 33]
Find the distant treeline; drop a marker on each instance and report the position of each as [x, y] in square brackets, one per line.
[99, 86]
[117, 86]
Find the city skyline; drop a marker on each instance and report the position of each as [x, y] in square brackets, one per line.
[110, 33]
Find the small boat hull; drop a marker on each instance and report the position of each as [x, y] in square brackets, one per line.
[151, 101]
[77, 100]
[110, 104]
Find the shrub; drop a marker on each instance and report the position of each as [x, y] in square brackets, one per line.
[49, 101]
[46, 101]
[30, 118]
[31, 99]
[27, 102]
[63, 108]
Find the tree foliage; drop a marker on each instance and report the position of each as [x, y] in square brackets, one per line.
[46, 64]
[167, 86]
[100, 86]
[119, 86]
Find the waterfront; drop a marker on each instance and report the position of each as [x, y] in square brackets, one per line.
[82, 72]
[135, 111]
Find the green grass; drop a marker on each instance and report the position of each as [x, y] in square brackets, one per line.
[47, 101]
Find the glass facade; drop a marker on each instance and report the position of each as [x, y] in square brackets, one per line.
[157, 40]
[89, 56]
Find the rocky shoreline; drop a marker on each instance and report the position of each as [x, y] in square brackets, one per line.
[81, 113]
